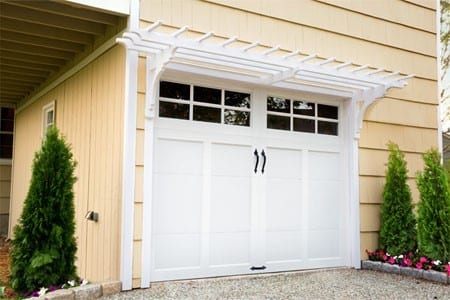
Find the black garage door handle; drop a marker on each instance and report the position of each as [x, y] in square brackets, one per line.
[263, 154]
[257, 160]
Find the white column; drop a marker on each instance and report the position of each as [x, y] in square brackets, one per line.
[128, 166]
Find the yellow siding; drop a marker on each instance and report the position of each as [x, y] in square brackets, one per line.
[5, 188]
[401, 12]
[5, 182]
[345, 22]
[369, 241]
[89, 113]
[227, 21]
[411, 139]
[393, 34]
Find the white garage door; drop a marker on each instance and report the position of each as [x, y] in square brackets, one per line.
[245, 182]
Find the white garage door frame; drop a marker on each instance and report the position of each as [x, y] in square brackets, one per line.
[294, 71]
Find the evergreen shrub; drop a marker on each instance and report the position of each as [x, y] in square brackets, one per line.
[44, 247]
[434, 209]
[398, 224]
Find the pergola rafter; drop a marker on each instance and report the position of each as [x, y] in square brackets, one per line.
[246, 62]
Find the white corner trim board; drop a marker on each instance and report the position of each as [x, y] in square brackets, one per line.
[129, 155]
[265, 67]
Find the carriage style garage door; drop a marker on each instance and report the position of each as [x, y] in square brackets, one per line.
[246, 181]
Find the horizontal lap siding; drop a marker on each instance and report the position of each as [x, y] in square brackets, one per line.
[395, 35]
[5, 184]
[5, 188]
[89, 113]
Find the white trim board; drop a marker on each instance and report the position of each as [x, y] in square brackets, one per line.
[129, 156]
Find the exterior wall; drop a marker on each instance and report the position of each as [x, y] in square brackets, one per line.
[5, 188]
[364, 32]
[89, 113]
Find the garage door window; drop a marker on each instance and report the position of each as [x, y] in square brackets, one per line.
[205, 104]
[301, 116]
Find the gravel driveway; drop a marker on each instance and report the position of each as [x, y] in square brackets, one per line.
[323, 284]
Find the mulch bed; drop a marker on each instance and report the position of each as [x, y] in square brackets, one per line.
[4, 263]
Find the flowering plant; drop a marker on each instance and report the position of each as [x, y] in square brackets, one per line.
[413, 260]
[43, 290]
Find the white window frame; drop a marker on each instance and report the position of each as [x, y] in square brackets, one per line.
[46, 109]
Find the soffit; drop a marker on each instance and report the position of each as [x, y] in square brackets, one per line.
[41, 39]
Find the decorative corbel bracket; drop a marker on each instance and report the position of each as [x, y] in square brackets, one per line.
[364, 99]
[156, 64]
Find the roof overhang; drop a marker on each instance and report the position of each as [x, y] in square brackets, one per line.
[41, 40]
[254, 63]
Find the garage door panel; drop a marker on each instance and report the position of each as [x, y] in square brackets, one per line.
[284, 246]
[230, 204]
[231, 160]
[176, 251]
[177, 205]
[178, 156]
[323, 244]
[324, 205]
[230, 248]
[283, 204]
[283, 163]
[324, 166]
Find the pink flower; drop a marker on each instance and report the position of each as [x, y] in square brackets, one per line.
[392, 260]
[385, 258]
[407, 262]
[419, 265]
[447, 268]
[423, 259]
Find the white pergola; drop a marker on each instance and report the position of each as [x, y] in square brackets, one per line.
[210, 55]
[184, 50]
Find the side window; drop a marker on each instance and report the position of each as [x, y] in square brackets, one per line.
[48, 117]
[6, 132]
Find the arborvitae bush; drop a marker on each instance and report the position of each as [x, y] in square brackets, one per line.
[44, 247]
[433, 223]
[398, 224]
